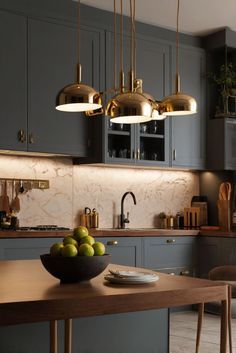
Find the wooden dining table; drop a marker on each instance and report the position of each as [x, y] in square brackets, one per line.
[28, 294]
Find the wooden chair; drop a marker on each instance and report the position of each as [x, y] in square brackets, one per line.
[226, 274]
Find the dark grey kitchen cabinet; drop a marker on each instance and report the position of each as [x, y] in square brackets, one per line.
[188, 132]
[52, 58]
[35, 65]
[175, 255]
[221, 144]
[124, 250]
[215, 251]
[13, 88]
[137, 144]
[25, 249]
[145, 144]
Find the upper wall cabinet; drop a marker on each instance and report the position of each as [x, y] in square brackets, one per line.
[52, 65]
[34, 66]
[188, 132]
[144, 144]
[13, 88]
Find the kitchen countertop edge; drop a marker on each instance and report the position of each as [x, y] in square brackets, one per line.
[9, 234]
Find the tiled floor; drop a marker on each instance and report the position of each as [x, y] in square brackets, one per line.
[183, 333]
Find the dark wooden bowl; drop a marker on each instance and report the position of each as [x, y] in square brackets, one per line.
[75, 269]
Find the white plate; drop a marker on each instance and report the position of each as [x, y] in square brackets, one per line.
[132, 274]
[132, 280]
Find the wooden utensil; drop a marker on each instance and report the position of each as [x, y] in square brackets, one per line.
[225, 191]
[15, 204]
[4, 199]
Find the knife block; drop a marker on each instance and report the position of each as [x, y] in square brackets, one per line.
[224, 214]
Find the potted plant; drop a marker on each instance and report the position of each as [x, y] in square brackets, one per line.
[226, 81]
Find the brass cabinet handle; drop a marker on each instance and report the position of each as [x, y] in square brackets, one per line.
[138, 153]
[21, 136]
[31, 138]
[170, 241]
[174, 155]
[112, 242]
[185, 273]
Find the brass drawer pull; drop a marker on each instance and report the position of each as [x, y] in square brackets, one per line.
[184, 273]
[170, 241]
[21, 136]
[31, 138]
[112, 242]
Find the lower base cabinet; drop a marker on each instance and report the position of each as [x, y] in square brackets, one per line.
[137, 332]
[174, 255]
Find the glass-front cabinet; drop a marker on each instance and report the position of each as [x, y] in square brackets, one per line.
[140, 144]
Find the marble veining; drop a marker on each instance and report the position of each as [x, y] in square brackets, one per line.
[72, 188]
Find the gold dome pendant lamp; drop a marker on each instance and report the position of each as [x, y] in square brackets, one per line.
[78, 97]
[129, 107]
[178, 103]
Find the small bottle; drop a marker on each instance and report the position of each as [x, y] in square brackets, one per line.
[95, 218]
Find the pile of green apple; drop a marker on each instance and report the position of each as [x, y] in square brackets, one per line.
[80, 243]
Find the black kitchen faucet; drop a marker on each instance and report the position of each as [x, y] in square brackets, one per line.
[124, 220]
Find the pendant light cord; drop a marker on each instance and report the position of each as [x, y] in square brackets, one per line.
[78, 45]
[121, 49]
[115, 45]
[177, 83]
[134, 40]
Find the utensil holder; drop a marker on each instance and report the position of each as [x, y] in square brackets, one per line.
[224, 214]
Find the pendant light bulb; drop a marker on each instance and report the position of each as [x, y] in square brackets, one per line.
[78, 97]
[178, 103]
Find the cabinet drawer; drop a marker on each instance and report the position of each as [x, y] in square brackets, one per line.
[169, 252]
[25, 249]
[124, 251]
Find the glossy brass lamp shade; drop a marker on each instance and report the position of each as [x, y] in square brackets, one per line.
[179, 104]
[129, 108]
[78, 97]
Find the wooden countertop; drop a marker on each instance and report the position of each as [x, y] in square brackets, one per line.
[139, 232]
[28, 293]
[100, 233]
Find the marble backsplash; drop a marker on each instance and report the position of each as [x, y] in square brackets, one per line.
[72, 188]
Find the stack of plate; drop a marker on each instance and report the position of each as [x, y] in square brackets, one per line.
[131, 277]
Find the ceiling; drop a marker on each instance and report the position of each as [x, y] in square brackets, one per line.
[197, 17]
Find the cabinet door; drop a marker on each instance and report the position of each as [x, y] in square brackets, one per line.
[230, 144]
[169, 252]
[152, 138]
[209, 255]
[188, 132]
[13, 88]
[123, 250]
[52, 59]
[25, 249]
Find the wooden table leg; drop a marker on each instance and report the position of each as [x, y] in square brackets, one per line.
[199, 325]
[68, 336]
[224, 323]
[229, 320]
[53, 336]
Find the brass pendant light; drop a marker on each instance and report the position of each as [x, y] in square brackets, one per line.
[129, 107]
[78, 97]
[178, 103]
